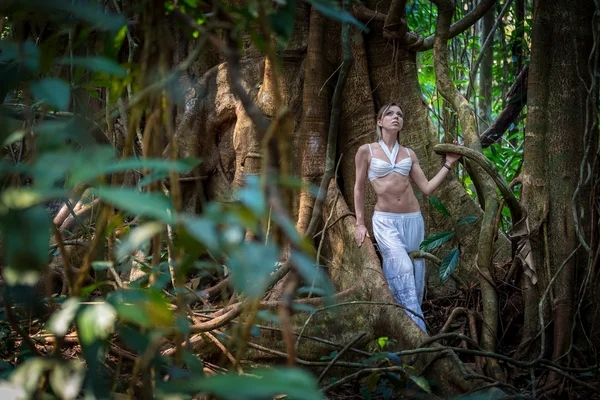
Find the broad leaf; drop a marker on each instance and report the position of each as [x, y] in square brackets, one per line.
[252, 196]
[96, 323]
[83, 10]
[449, 264]
[467, 220]
[437, 204]
[332, 10]
[54, 92]
[60, 321]
[421, 382]
[94, 64]
[137, 237]
[26, 52]
[27, 376]
[100, 166]
[283, 20]
[54, 134]
[147, 308]
[431, 242]
[311, 272]
[66, 379]
[262, 384]
[202, 229]
[28, 196]
[151, 205]
[26, 234]
[251, 264]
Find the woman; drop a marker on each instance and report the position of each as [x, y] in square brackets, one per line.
[397, 222]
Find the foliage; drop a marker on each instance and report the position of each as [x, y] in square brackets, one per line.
[40, 82]
[507, 155]
[430, 243]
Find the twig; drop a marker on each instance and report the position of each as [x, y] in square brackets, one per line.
[340, 354]
[225, 351]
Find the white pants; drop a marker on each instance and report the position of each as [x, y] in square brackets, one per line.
[397, 235]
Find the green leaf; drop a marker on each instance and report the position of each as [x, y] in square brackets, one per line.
[449, 264]
[99, 166]
[60, 321]
[467, 220]
[332, 10]
[145, 307]
[27, 376]
[331, 356]
[26, 234]
[137, 237]
[252, 196]
[66, 379]
[54, 134]
[14, 137]
[311, 272]
[54, 92]
[263, 384]
[82, 10]
[94, 64]
[52, 166]
[421, 382]
[96, 322]
[201, 229]
[381, 341]
[437, 204]
[152, 177]
[151, 205]
[19, 198]
[282, 21]
[251, 265]
[433, 241]
[26, 52]
[102, 265]
[13, 391]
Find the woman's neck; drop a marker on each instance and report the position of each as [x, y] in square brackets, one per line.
[389, 138]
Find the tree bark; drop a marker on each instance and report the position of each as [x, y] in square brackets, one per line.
[485, 70]
[554, 150]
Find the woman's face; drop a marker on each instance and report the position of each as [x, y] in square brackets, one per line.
[392, 119]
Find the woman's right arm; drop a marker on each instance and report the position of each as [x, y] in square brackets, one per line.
[362, 163]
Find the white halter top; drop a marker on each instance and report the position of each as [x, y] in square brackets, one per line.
[380, 168]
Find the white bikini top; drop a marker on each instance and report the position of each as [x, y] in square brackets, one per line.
[380, 168]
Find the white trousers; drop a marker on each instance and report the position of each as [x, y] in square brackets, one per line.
[397, 235]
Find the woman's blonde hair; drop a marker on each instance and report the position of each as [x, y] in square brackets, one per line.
[382, 111]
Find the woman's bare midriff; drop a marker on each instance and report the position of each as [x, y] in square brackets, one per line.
[395, 194]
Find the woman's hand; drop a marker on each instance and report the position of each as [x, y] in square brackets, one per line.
[361, 233]
[452, 158]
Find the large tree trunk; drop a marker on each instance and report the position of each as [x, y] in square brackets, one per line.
[554, 150]
[382, 72]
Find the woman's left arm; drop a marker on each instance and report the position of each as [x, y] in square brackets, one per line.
[418, 176]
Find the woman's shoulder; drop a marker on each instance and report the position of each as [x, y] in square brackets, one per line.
[365, 147]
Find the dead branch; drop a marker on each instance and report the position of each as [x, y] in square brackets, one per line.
[516, 100]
